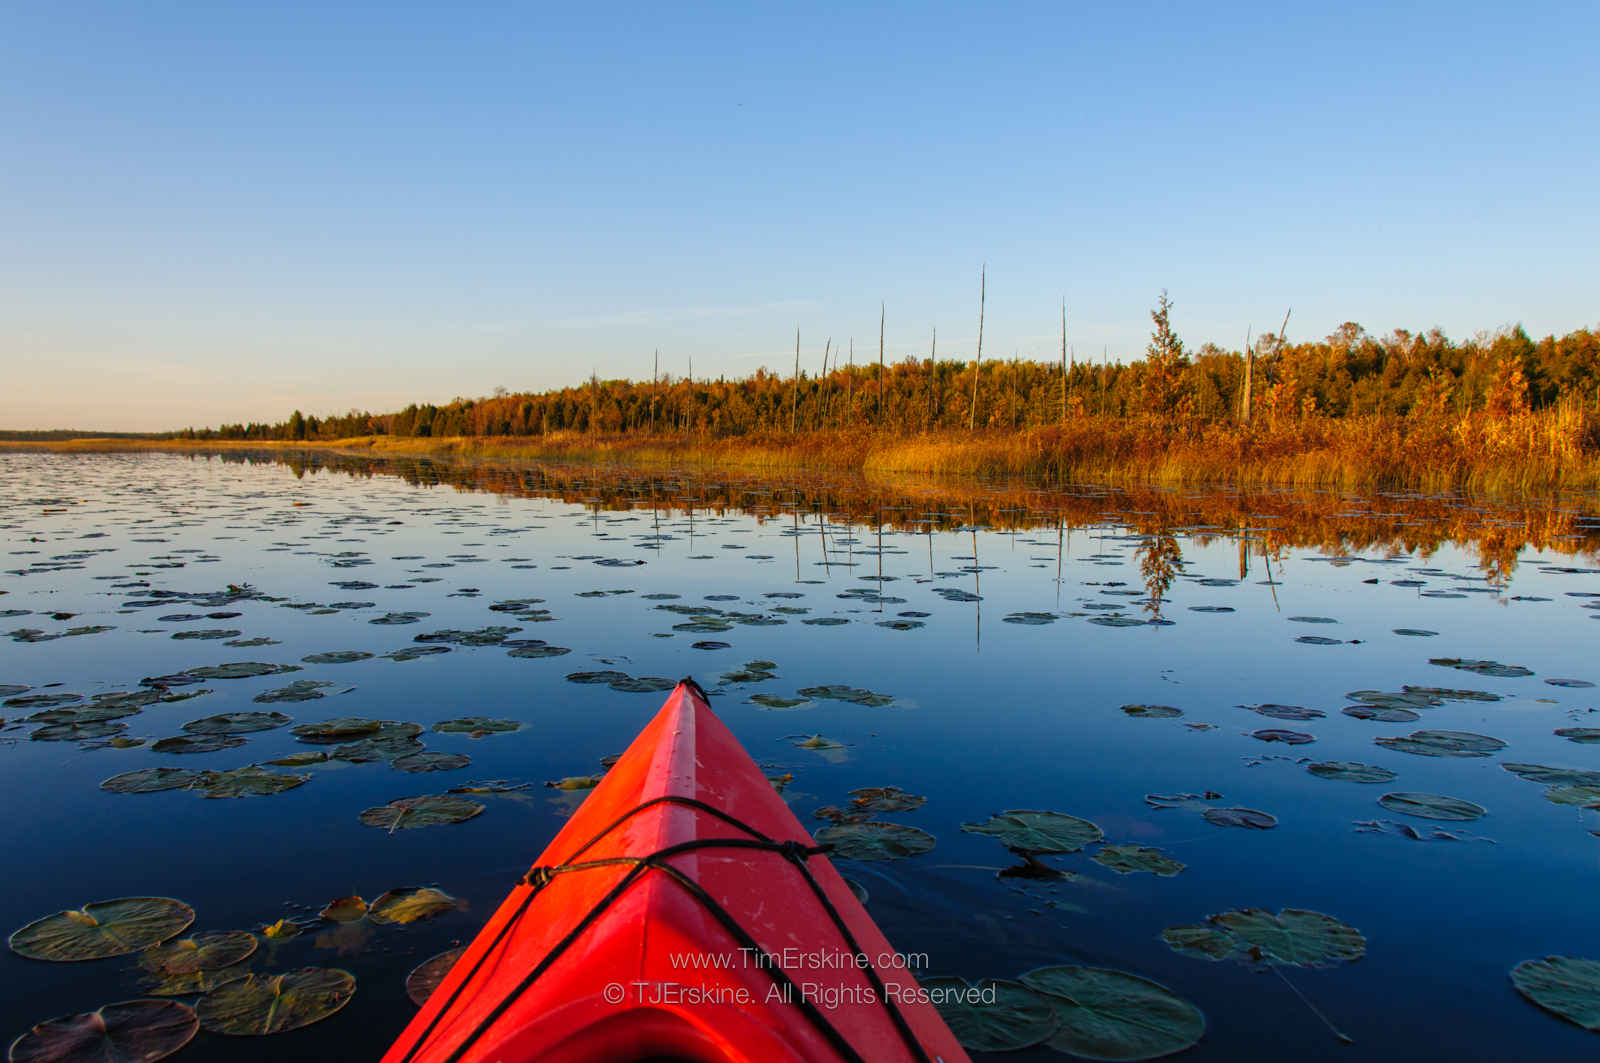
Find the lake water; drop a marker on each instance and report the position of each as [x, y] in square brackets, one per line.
[1009, 624]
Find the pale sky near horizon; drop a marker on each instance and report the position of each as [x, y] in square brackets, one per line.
[223, 212]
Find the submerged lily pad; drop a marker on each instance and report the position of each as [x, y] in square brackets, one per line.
[875, 841]
[429, 810]
[992, 1016]
[1241, 817]
[1126, 859]
[299, 690]
[102, 929]
[1494, 668]
[1151, 712]
[233, 723]
[1443, 744]
[410, 905]
[134, 1031]
[1563, 986]
[1112, 1015]
[854, 695]
[1433, 806]
[427, 976]
[1038, 832]
[424, 762]
[152, 780]
[263, 1004]
[1351, 771]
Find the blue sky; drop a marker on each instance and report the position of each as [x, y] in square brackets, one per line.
[220, 212]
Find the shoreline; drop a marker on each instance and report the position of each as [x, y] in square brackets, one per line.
[1534, 453]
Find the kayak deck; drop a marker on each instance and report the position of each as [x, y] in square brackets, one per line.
[683, 912]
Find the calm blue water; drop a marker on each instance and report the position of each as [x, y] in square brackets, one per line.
[988, 715]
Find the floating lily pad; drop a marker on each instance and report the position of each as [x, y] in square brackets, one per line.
[1126, 859]
[1241, 817]
[1117, 621]
[1581, 796]
[345, 910]
[854, 695]
[207, 633]
[429, 810]
[1574, 684]
[647, 684]
[203, 952]
[1415, 632]
[1319, 640]
[152, 780]
[775, 701]
[1038, 832]
[411, 653]
[299, 690]
[1543, 773]
[427, 976]
[248, 781]
[42, 701]
[487, 636]
[1030, 619]
[476, 726]
[1433, 806]
[1016, 1018]
[576, 782]
[1112, 1015]
[1293, 937]
[1151, 712]
[537, 652]
[425, 762]
[411, 904]
[263, 1004]
[201, 743]
[134, 1031]
[1584, 735]
[885, 799]
[1381, 714]
[1351, 771]
[1274, 734]
[875, 841]
[75, 732]
[1443, 744]
[233, 723]
[236, 670]
[825, 621]
[1285, 712]
[337, 657]
[395, 619]
[595, 677]
[1563, 986]
[102, 929]
[297, 760]
[1493, 668]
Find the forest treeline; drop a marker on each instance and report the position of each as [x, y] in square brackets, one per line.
[1347, 375]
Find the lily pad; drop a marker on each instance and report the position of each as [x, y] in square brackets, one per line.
[411, 653]
[425, 762]
[1443, 744]
[1551, 776]
[596, 677]
[299, 690]
[1493, 668]
[340, 729]
[1285, 712]
[1433, 806]
[1584, 735]
[576, 782]
[201, 743]
[203, 952]
[992, 1016]
[428, 810]
[1291, 738]
[337, 657]
[1038, 832]
[875, 841]
[233, 723]
[1151, 712]
[102, 929]
[1563, 986]
[410, 905]
[1382, 714]
[1241, 817]
[152, 780]
[273, 1003]
[75, 732]
[476, 726]
[776, 701]
[1581, 796]
[248, 781]
[1112, 1015]
[885, 799]
[1294, 937]
[1126, 859]
[427, 976]
[134, 1031]
[1351, 771]
[537, 652]
[345, 910]
[646, 684]
[854, 695]
[1201, 942]
[1030, 619]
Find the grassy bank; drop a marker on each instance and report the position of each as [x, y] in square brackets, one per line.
[1542, 450]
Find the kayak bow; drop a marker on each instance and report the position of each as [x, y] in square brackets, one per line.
[682, 913]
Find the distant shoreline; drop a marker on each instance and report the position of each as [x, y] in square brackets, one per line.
[1539, 451]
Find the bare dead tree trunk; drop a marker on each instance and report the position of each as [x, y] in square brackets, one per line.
[880, 364]
[1249, 383]
[1063, 361]
[977, 365]
[822, 385]
[794, 387]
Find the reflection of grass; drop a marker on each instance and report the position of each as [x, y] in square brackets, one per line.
[1540, 449]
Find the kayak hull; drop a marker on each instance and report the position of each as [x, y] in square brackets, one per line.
[724, 952]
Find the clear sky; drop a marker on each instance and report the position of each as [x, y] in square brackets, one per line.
[223, 211]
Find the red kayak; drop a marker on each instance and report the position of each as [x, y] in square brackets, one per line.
[683, 913]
